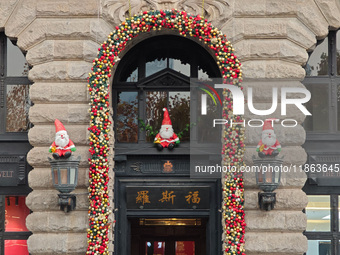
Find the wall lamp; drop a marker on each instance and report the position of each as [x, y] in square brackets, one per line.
[268, 176]
[65, 178]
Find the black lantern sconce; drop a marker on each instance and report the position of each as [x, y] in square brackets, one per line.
[268, 177]
[65, 179]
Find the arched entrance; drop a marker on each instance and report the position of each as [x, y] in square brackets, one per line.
[160, 209]
[108, 57]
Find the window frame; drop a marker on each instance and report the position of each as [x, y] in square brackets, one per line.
[5, 81]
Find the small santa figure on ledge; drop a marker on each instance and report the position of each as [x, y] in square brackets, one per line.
[62, 145]
[268, 145]
[166, 138]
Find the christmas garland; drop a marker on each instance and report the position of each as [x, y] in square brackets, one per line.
[98, 86]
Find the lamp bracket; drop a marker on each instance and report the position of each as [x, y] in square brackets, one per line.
[67, 202]
[267, 200]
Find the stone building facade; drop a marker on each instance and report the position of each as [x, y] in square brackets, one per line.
[272, 39]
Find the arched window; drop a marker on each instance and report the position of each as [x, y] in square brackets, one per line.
[14, 124]
[152, 75]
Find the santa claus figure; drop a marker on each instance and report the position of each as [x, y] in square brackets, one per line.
[62, 145]
[166, 138]
[268, 145]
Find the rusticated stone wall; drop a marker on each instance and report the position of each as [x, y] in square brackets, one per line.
[271, 38]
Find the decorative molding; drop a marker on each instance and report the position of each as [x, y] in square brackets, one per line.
[117, 11]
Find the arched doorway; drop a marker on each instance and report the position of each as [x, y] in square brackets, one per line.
[156, 213]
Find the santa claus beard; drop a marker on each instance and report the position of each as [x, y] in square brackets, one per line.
[269, 141]
[61, 140]
[166, 132]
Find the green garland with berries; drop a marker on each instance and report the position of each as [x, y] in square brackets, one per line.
[98, 86]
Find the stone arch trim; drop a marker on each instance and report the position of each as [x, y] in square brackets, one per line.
[100, 141]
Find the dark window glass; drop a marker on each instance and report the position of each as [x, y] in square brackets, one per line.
[133, 76]
[16, 62]
[127, 117]
[18, 104]
[155, 102]
[155, 66]
[318, 61]
[180, 67]
[319, 108]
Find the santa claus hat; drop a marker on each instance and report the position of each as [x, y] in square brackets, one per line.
[268, 124]
[59, 126]
[166, 118]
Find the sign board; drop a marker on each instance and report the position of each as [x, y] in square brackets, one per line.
[12, 170]
[168, 197]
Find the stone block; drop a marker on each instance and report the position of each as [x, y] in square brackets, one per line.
[56, 92]
[300, 34]
[58, 243]
[286, 199]
[293, 155]
[6, 9]
[292, 112]
[50, 28]
[292, 178]
[46, 8]
[43, 200]
[38, 156]
[66, 113]
[310, 14]
[265, 28]
[43, 135]
[58, 221]
[20, 18]
[90, 50]
[275, 243]
[331, 10]
[68, 49]
[275, 221]
[252, 8]
[40, 53]
[41, 178]
[61, 70]
[272, 69]
[281, 8]
[287, 136]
